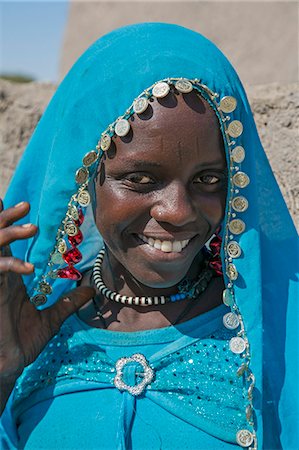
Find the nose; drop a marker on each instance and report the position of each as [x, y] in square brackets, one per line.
[174, 206]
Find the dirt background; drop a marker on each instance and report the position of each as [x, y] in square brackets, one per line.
[260, 38]
[276, 111]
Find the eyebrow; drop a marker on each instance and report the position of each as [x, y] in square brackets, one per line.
[144, 164]
[141, 164]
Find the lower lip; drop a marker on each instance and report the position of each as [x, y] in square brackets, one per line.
[159, 255]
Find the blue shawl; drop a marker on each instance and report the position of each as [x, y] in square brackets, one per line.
[97, 90]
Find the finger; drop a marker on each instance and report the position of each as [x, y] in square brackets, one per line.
[11, 264]
[69, 303]
[1, 204]
[15, 232]
[10, 215]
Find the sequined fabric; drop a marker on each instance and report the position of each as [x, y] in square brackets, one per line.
[195, 377]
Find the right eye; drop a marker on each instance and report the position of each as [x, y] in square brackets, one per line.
[139, 179]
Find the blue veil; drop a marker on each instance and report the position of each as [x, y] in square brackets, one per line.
[97, 90]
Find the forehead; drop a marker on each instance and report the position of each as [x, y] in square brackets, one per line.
[183, 124]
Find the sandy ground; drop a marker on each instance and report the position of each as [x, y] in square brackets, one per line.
[276, 111]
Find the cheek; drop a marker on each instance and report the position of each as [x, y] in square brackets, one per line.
[117, 209]
[212, 207]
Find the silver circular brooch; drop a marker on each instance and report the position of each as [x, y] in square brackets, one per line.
[148, 374]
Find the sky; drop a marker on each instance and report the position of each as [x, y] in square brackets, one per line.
[31, 36]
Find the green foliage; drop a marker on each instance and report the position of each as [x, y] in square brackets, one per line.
[16, 78]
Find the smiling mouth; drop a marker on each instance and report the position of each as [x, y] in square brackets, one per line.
[165, 246]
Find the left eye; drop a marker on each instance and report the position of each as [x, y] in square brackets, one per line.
[207, 179]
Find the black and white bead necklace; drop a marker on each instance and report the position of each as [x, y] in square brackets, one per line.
[186, 289]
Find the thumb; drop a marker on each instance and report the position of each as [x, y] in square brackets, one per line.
[71, 301]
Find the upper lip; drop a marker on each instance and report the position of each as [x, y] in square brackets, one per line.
[171, 238]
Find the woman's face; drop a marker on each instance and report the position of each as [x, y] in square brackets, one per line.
[161, 190]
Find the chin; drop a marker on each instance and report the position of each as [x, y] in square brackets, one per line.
[158, 279]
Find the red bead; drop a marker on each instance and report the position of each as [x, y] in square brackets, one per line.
[80, 219]
[72, 256]
[76, 240]
[69, 272]
[215, 245]
[216, 266]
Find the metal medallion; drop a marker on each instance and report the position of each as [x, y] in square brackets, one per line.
[241, 179]
[45, 288]
[81, 175]
[240, 203]
[233, 249]
[90, 158]
[238, 154]
[244, 438]
[83, 198]
[70, 228]
[236, 226]
[73, 212]
[105, 142]
[235, 128]
[122, 127]
[227, 297]
[140, 105]
[231, 321]
[237, 345]
[228, 104]
[38, 300]
[161, 89]
[56, 258]
[61, 245]
[184, 86]
[232, 272]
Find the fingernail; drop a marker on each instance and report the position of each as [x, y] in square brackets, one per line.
[27, 225]
[29, 265]
[19, 204]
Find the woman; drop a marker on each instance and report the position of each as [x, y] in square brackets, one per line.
[170, 345]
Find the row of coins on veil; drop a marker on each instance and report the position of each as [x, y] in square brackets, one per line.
[235, 226]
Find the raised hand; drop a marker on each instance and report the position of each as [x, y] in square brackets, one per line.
[24, 331]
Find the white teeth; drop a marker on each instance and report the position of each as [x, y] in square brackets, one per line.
[157, 244]
[177, 246]
[165, 246]
[151, 242]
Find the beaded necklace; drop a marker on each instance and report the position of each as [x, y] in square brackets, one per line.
[186, 289]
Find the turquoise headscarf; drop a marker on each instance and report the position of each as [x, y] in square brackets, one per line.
[98, 89]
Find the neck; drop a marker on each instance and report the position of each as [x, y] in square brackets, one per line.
[119, 317]
[118, 279]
